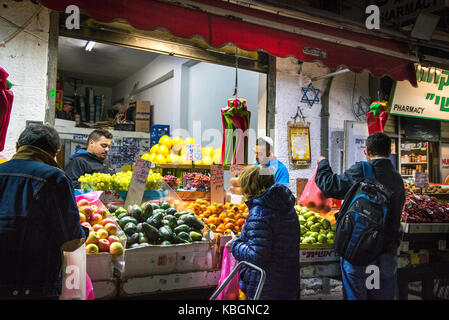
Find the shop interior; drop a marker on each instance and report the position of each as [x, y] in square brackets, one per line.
[94, 80]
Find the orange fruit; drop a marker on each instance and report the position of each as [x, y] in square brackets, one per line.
[240, 222]
[229, 226]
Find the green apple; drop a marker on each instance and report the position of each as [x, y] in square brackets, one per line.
[92, 249]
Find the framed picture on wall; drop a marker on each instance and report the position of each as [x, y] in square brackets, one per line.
[299, 143]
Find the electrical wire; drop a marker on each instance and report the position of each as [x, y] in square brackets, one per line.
[22, 28]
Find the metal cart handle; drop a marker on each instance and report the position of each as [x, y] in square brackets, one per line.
[234, 271]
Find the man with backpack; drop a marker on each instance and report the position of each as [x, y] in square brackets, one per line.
[368, 224]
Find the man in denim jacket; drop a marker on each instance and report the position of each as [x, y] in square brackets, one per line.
[39, 218]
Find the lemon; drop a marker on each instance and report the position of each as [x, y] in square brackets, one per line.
[159, 158]
[145, 156]
[163, 150]
[189, 140]
[166, 141]
[154, 148]
[151, 157]
[176, 141]
[183, 151]
[183, 160]
[172, 158]
[217, 156]
[207, 161]
[207, 152]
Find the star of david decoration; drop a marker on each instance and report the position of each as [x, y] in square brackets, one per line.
[310, 95]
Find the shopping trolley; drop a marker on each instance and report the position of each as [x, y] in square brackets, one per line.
[232, 274]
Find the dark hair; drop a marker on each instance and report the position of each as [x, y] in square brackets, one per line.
[40, 136]
[261, 142]
[98, 133]
[379, 144]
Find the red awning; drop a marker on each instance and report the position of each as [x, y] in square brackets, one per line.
[252, 29]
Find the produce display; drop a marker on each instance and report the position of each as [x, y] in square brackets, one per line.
[104, 235]
[196, 182]
[118, 181]
[172, 181]
[154, 224]
[221, 219]
[410, 188]
[173, 151]
[314, 228]
[425, 209]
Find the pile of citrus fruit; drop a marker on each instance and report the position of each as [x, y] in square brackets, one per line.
[173, 151]
[221, 219]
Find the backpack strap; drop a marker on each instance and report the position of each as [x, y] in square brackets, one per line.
[368, 170]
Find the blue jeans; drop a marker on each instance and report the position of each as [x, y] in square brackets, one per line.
[356, 286]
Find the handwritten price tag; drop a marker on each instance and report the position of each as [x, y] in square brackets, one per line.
[421, 180]
[138, 182]
[217, 184]
[236, 169]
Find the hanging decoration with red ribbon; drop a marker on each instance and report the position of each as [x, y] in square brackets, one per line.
[377, 117]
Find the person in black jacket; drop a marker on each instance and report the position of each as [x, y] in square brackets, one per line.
[93, 159]
[378, 149]
[270, 236]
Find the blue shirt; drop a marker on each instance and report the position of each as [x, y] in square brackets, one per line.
[281, 174]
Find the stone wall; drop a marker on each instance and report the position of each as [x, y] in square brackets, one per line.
[25, 59]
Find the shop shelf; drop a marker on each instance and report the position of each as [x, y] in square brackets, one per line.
[414, 163]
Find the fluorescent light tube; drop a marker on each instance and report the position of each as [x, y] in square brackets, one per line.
[90, 45]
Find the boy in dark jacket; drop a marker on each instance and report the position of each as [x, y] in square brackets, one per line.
[378, 149]
[92, 160]
[269, 238]
[39, 218]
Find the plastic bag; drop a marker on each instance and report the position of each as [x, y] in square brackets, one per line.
[313, 198]
[93, 199]
[74, 275]
[89, 289]
[231, 291]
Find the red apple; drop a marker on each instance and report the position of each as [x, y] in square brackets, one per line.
[107, 220]
[102, 234]
[104, 213]
[96, 219]
[97, 227]
[82, 217]
[94, 208]
[93, 238]
[113, 239]
[103, 245]
[111, 228]
[87, 225]
[86, 210]
[116, 249]
[82, 203]
[92, 248]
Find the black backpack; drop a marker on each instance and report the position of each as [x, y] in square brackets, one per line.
[359, 236]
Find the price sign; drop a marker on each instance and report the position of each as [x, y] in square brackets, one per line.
[138, 182]
[193, 152]
[236, 169]
[421, 180]
[217, 193]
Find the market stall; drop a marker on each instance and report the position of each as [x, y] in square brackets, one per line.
[174, 219]
[425, 227]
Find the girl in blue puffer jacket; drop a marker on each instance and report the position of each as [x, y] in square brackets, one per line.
[270, 237]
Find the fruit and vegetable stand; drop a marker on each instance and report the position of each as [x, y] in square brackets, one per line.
[425, 232]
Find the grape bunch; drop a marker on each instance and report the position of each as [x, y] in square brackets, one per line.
[172, 181]
[96, 181]
[196, 182]
[121, 180]
[154, 180]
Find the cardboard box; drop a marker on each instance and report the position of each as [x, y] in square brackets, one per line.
[143, 116]
[158, 260]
